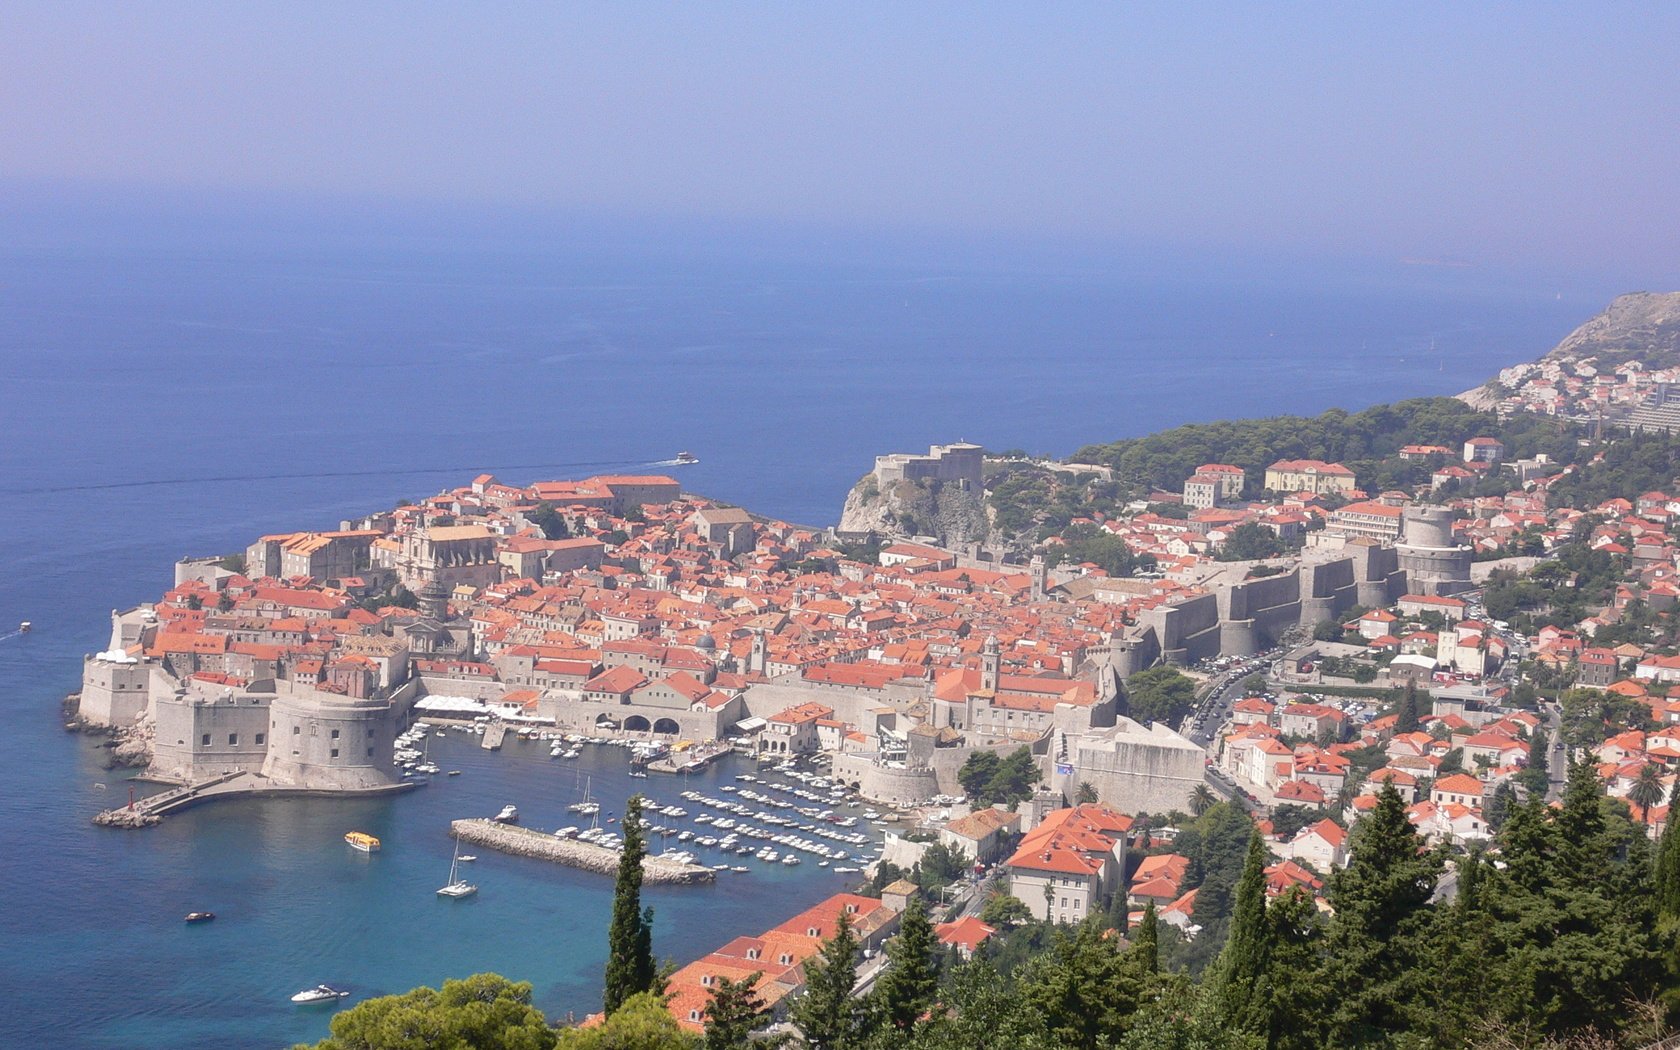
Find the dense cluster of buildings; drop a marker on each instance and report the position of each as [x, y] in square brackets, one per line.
[1627, 393]
[617, 605]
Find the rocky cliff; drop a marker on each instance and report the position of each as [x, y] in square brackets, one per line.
[910, 508]
[1639, 326]
[1643, 326]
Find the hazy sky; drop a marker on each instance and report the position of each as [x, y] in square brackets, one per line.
[1492, 134]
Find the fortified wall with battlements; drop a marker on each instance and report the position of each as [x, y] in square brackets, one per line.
[961, 464]
[1240, 619]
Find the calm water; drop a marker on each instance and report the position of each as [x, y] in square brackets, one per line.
[157, 403]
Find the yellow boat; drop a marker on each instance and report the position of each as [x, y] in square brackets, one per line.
[362, 841]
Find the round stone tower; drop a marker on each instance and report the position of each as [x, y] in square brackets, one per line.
[1434, 562]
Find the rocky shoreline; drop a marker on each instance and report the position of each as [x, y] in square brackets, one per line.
[524, 842]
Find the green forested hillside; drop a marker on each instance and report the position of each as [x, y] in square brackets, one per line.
[1366, 441]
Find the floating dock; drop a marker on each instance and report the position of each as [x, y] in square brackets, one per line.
[540, 845]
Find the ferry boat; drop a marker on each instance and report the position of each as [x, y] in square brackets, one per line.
[363, 841]
[321, 993]
[686, 457]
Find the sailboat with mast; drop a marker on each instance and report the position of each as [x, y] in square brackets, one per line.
[588, 805]
[457, 887]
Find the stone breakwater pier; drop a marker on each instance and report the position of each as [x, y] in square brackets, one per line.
[524, 842]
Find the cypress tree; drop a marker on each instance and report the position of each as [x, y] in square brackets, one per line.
[826, 1014]
[1537, 775]
[1667, 874]
[734, 1010]
[1407, 710]
[1146, 942]
[1240, 988]
[1295, 1008]
[630, 967]
[906, 988]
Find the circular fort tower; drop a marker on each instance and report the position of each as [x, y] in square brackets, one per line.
[330, 742]
[1434, 561]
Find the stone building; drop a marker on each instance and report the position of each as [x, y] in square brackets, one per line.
[960, 464]
[448, 555]
[1309, 475]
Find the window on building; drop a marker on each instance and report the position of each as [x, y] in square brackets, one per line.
[335, 752]
[206, 740]
[370, 752]
[335, 734]
[233, 739]
[296, 730]
[261, 737]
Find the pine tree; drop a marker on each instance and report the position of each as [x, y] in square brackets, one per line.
[1380, 900]
[827, 1014]
[1084, 987]
[1667, 874]
[1498, 806]
[630, 966]
[1146, 941]
[1239, 987]
[983, 1013]
[906, 988]
[732, 1014]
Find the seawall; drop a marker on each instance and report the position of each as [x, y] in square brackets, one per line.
[524, 842]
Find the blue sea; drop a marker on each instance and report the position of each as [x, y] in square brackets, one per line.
[179, 393]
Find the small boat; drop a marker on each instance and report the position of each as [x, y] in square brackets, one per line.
[638, 773]
[457, 887]
[25, 627]
[508, 815]
[467, 858]
[685, 457]
[454, 772]
[321, 993]
[363, 841]
[200, 916]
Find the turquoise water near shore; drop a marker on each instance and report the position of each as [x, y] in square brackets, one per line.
[129, 378]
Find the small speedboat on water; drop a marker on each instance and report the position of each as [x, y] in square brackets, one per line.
[200, 916]
[321, 993]
[686, 457]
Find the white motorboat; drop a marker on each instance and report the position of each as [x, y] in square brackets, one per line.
[508, 815]
[321, 993]
[457, 887]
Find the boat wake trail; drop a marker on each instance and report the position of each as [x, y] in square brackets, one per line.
[9, 635]
[325, 474]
